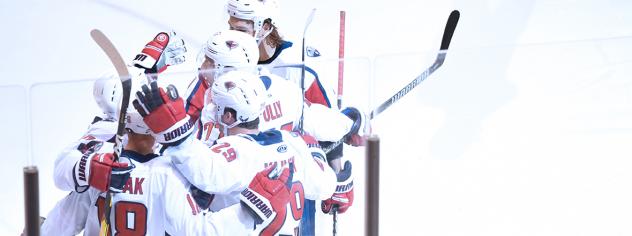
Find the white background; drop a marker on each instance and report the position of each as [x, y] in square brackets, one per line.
[525, 130]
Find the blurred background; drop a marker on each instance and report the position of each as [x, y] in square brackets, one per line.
[524, 130]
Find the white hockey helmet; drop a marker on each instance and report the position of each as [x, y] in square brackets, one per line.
[108, 92]
[257, 11]
[241, 91]
[230, 48]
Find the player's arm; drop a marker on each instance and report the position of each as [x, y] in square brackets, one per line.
[184, 217]
[270, 187]
[217, 169]
[316, 115]
[194, 102]
[320, 178]
[68, 217]
[97, 136]
[213, 170]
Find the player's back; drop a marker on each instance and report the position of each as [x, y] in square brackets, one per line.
[141, 209]
[283, 106]
[229, 165]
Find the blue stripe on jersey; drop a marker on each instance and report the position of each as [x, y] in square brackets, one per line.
[268, 137]
[137, 156]
[284, 45]
[266, 81]
[320, 86]
[195, 89]
[313, 72]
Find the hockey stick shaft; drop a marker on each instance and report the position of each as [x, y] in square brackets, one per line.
[118, 62]
[443, 50]
[341, 56]
[341, 68]
[309, 22]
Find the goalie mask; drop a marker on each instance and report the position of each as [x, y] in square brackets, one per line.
[241, 91]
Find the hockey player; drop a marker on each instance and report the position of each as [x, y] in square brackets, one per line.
[283, 108]
[230, 49]
[239, 98]
[153, 198]
[259, 19]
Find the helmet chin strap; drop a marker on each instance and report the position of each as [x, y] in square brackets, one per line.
[262, 34]
[218, 117]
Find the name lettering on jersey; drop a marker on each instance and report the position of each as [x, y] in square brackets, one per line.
[262, 206]
[272, 111]
[82, 167]
[134, 186]
[179, 131]
[282, 163]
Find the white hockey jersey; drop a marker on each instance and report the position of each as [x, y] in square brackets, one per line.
[283, 112]
[227, 168]
[155, 200]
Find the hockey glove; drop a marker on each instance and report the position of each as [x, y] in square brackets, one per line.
[267, 196]
[101, 172]
[360, 129]
[164, 114]
[343, 196]
[163, 51]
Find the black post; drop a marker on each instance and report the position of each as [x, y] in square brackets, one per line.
[372, 186]
[31, 201]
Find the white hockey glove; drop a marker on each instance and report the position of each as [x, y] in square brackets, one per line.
[267, 196]
[343, 196]
[101, 172]
[164, 113]
[166, 49]
[361, 128]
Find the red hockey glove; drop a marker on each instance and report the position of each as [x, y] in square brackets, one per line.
[164, 114]
[343, 196]
[164, 50]
[361, 128]
[267, 196]
[101, 172]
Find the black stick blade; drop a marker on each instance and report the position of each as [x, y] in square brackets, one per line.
[449, 29]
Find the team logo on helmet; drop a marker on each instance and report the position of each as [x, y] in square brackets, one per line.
[231, 44]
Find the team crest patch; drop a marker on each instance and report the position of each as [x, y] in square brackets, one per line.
[312, 52]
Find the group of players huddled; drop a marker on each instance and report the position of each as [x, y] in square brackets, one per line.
[227, 159]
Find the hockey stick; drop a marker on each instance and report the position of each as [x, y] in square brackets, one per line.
[309, 21]
[341, 67]
[443, 50]
[341, 56]
[116, 59]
